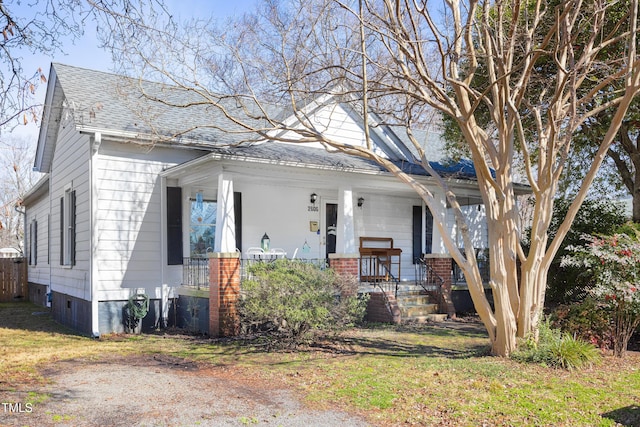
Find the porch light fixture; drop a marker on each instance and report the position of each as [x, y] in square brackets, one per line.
[360, 201]
[265, 243]
[313, 198]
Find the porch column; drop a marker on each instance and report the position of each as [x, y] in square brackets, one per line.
[225, 218]
[224, 294]
[347, 267]
[440, 215]
[346, 239]
[345, 262]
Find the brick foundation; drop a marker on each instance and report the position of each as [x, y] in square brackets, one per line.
[442, 265]
[379, 311]
[346, 266]
[224, 294]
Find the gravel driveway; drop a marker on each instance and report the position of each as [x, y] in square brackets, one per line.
[164, 391]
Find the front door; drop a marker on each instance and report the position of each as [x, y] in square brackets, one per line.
[331, 219]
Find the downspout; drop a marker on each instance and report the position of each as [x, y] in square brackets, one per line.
[96, 140]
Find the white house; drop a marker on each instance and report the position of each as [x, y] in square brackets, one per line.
[116, 215]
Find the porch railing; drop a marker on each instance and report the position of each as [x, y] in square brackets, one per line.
[429, 281]
[482, 258]
[376, 271]
[195, 272]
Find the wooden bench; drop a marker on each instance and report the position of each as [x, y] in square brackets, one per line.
[379, 260]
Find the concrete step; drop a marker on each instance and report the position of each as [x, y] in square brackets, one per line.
[434, 317]
[418, 310]
[417, 299]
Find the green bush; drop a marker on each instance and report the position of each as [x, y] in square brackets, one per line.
[291, 300]
[566, 284]
[558, 349]
[587, 320]
[613, 262]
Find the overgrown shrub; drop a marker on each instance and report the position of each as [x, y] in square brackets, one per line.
[555, 348]
[291, 300]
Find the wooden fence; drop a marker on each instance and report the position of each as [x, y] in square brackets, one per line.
[13, 280]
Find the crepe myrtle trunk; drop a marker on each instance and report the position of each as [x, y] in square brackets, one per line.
[504, 283]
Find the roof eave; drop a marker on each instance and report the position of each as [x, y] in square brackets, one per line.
[40, 188]
[49, 124]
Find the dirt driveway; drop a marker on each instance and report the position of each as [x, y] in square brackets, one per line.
[163, 391]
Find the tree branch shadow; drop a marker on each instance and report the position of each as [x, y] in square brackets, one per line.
[627, 416]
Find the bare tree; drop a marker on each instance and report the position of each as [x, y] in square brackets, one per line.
[17, 178]
[402, 59]
[36, 28]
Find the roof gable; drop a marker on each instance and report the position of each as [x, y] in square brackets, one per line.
[112, 104]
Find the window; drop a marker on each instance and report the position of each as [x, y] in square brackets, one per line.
[68, 228]
[33, 242]
[202, 231]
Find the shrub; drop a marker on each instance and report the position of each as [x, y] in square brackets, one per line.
[614, 263]
[555, 348]
[565, 284]
[290, 300]
[588, 320]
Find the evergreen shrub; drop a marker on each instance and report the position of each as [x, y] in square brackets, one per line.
[293, 300]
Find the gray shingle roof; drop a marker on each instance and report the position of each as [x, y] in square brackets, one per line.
[102, 100]
[106, 101]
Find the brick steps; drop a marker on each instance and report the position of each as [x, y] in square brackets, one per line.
[412, 305]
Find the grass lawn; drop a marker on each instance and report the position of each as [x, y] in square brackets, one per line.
[421, 375]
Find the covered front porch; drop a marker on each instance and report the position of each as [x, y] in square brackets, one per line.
[215, 205]
[259, 210]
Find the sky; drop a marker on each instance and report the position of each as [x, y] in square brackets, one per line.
[85, 52]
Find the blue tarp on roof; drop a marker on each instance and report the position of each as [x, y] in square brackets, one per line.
[461, 169]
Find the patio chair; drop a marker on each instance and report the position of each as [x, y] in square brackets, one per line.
[278, 253]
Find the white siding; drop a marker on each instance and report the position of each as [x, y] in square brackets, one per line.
[128, 223]
[477, 223]
[390, 216]
[283, 213]
[70, 168]
[39, 211]
[335, 123]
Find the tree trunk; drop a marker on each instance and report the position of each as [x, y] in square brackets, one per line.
[503, 279]
[635, 197]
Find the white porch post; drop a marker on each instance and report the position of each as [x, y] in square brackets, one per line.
[438, 242]
[225, 219]
[346, 239]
